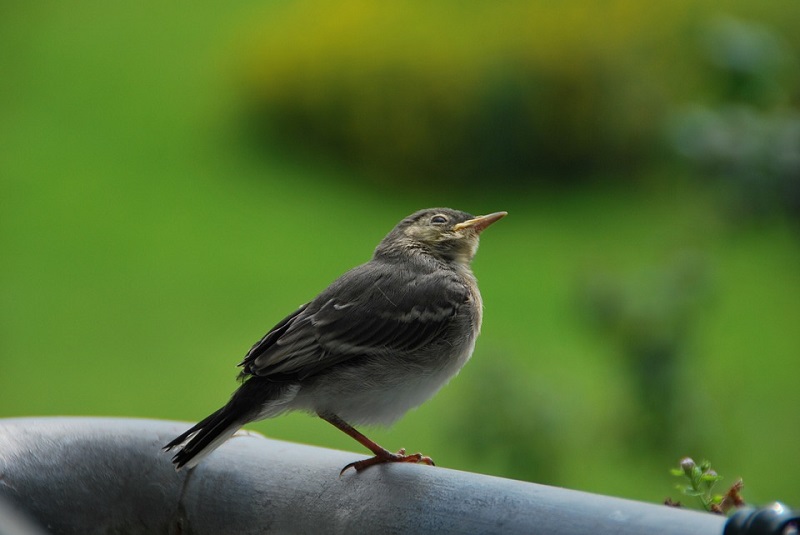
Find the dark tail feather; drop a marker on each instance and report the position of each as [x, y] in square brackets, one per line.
[257, 398]
[206, 436]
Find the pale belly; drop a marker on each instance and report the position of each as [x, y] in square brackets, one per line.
[380, 391]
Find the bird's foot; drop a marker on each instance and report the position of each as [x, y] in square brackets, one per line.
[388, 457]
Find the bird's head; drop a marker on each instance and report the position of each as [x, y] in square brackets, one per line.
[446, 234]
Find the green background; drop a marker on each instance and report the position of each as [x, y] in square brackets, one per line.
[147, 242]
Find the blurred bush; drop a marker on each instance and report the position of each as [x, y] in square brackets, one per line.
[501, 90]
[747, 137]
[455, 91]
[652, 319]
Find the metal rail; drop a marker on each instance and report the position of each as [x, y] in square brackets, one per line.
[102, 475]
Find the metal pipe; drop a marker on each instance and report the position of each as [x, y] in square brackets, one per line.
[103, 475]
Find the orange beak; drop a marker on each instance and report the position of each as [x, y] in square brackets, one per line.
[481, 222]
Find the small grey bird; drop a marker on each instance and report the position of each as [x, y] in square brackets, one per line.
[381, 339]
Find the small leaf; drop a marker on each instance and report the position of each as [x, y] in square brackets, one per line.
[710, 477]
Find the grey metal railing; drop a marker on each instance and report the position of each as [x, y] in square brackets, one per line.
[102, 475]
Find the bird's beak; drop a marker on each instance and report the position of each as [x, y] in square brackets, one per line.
[480, 222]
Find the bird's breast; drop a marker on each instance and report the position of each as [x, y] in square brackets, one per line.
[475, 302]
[380, 387]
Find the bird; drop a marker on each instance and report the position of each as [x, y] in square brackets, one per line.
[380, 340]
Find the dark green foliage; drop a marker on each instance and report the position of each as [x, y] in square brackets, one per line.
[746, 138]
[521, 92]
[473, 91]
[651, 319]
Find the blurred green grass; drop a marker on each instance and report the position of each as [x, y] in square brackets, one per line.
[144, 250]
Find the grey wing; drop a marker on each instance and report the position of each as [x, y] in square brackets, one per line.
[367, 311]
[268, 340]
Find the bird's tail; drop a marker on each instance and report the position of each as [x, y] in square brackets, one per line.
[255, 399]
[204, 437]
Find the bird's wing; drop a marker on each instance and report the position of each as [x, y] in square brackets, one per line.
[269, 339]
[373, 309]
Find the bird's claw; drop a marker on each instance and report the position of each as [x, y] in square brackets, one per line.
[387, 457]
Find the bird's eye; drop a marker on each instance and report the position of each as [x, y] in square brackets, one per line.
[438, 220]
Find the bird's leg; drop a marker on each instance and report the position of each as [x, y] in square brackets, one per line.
[382, 455]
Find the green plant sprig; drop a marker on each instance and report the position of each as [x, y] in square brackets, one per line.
[702, 479]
